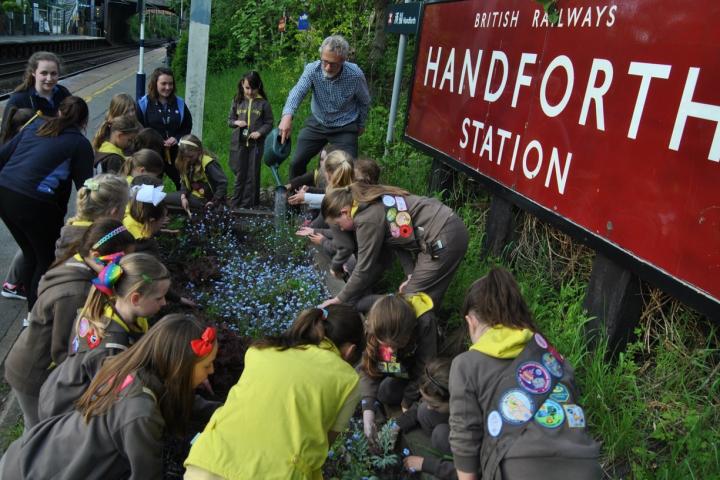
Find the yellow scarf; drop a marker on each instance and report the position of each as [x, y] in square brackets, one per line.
[502, 342]
[141, 323]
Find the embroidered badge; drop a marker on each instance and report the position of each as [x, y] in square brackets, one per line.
[83, 327]
[401, 205]
[540, 340]
[516, 406]
[92, 340]
[386, 353]
[405, 231]
[391, 214]
[550, 414]
[394, 230]
[575, 416]
[402, 218]
[494, 423]
[560, 393]
[555, 353]
[534, 378]
[552, 364]
[388, 200]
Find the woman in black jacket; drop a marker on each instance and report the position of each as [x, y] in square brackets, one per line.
[167, 114]
[36, 171]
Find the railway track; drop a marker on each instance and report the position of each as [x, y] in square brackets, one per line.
[73, 63]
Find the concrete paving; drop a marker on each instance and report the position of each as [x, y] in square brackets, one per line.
[97, 88]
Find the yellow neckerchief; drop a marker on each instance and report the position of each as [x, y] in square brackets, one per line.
[502, 342]
[258, 97]
[129, 179]
[354, 209]
[136, 229]
[141, 322]
[197, 175]
[108, 147]
[78, 257]
[421, 303]
[81, 223]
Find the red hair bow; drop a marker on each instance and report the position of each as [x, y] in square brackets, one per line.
[203, 346]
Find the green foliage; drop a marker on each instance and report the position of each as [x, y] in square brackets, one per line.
[156, 27]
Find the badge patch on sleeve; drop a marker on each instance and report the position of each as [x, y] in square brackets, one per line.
[575, 416]
[391, 214]
[388, 200]
[550, 414]
[516, 406]
[560, 393]
[534, 378]
[540, 340]
[494, 423]
[552, 364]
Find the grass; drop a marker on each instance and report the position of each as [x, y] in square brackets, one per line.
[656, 408]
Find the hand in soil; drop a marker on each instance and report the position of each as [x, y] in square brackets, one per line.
[369, 427]
[316, 238]
[413, 463]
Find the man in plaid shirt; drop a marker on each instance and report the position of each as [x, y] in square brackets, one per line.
[339, 104]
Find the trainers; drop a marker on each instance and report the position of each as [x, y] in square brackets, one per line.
[13, 291]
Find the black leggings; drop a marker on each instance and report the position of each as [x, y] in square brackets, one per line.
[35, 225]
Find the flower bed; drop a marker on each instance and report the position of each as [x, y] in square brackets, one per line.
[252, 277]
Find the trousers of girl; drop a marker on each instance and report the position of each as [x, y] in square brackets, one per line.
[246, 153]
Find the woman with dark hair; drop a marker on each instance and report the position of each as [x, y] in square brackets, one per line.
[251, 119]
[166, 113]
[116, 429]
[37, 169]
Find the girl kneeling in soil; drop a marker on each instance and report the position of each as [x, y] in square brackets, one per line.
[116, 429]
[61, 294]
[125, 293]
[202, 180]
[296, 392]
[104, 195]
[401, 339]
[431, 414]
[427, 236]
[251, 119]
[513, 400]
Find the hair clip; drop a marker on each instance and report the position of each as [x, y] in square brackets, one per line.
[149, 194]
[107, 278]
[324, 313]
[91, 184]
[109, 258]
[203, 346]
[189, 143]
[108, 236]
[146, 278]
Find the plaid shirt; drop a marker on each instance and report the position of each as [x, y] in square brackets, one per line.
[336, 101]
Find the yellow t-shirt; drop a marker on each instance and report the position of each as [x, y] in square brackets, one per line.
[275, 421]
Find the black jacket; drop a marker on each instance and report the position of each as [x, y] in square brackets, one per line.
[30, 99]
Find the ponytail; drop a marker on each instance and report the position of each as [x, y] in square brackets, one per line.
[339, 168]
[338, 198]
[73, 113]
[496, 299]
[391, 320]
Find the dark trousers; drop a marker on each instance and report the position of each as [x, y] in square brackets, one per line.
[435, 424]
[245, 163]
[314, 136]
[35, 225]
[17, 267]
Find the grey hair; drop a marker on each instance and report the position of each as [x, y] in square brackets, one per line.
[337, 44]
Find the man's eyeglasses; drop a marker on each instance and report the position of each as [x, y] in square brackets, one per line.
[325, 63]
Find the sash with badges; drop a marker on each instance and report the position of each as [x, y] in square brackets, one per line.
[536, 391]
[397, 216]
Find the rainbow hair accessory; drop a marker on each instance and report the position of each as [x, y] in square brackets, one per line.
[110, 235]
[107, 278]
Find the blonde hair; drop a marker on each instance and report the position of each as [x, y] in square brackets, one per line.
[100, 196]
[339, 169]
[338, 198]
[141, 273]
[391, 320]
[145, 158]
[120, 105]
[182, 163]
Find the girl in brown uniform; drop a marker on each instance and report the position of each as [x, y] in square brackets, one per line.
[513, 400]
[61, 294]
[427, 236]
[113, 318]
[116, 430]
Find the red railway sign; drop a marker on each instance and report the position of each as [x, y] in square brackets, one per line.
[607, 123]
